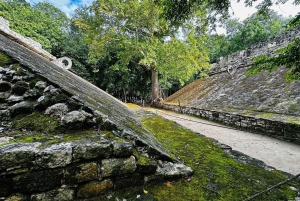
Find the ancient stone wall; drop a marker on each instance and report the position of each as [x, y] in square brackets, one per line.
[277, 129]
[61, 138]
[243, 58]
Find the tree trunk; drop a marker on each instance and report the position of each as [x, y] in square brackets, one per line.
[125, 98]
[155, 86]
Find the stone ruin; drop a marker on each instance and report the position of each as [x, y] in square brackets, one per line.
[97, 144]
[242, 59]
[264, 103]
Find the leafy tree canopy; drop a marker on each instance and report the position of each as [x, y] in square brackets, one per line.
[32, 22]
[137, 29]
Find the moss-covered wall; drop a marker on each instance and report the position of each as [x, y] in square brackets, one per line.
[289, 131]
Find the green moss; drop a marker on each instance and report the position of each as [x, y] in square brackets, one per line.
[294, 107]
[143, 159]
[217, 177]
[267, 115]
[30, 138]
[4, 59]
[37, 122]
[293, 121]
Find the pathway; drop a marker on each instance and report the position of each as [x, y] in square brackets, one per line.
[279, 154]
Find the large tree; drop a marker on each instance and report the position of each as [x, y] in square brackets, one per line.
[139, 30]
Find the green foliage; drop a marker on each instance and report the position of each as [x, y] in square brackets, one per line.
[288, 56]
[240, 35]
[133, 32]
[32, 22]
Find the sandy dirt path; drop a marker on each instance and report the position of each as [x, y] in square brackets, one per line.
[279, 154]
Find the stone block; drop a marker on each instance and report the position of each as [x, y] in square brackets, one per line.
[117, 166]
[17, 155]
[38, 181]
[55, 156]
[61, 194]
[122, 149]
[91, 150]
[94, 188]
[81, 173]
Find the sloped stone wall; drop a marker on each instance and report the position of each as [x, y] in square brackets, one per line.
[53, 162]
[227, 88]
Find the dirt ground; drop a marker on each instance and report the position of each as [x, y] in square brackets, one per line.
[279, 154]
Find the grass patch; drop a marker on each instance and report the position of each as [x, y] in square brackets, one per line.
[217, 177]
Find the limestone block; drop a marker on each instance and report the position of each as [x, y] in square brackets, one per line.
[38, 181]
[17, 155]
[41, 85]
[94, 188]
[173, 170]
[117, 166]
[61, 194]
[15, 99]
[124, 149]
[91, 150]
[22, 107]
[80, 173]
[58, 109]
[58, 155]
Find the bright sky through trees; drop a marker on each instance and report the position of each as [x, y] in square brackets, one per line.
[240, 11]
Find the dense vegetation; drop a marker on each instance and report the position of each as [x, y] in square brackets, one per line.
[127, 48]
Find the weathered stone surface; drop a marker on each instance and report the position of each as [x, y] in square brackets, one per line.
[129, 181]
[117, 166]
[81, 173]
[94, 188]
[97, 100]
[4, 86]
[58, 109]
[91, 150]
[15, 99]
[22, 107]
[74, 119]
[31, 94]
[20, 88]
[173, 170]
[122, 149]
[43, 102]
[41, 85]
[38, 181]
[51, 90]
[17, 155]
[61, 194]
[55, 156]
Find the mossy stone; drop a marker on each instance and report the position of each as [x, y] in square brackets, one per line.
[4, 59]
